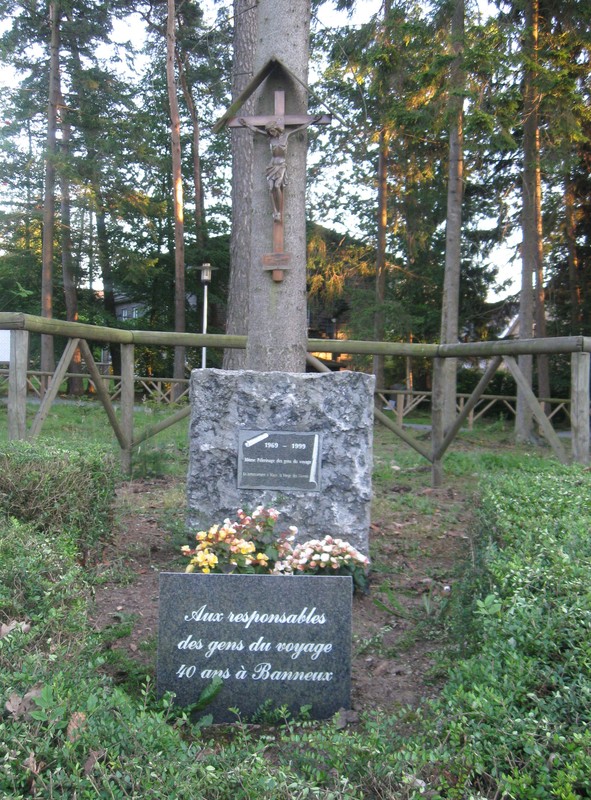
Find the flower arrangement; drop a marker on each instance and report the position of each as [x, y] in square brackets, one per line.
[327, 556]
[250, 544]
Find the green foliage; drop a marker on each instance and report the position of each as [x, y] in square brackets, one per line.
[58, 490]
[512, 721]
[35, 566]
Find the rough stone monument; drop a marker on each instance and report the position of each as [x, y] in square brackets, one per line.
[300, 442]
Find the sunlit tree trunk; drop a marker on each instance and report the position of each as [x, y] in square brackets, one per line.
[47, 352]
[455, 188]
[245, 27]
[177, 190]
[531, 227]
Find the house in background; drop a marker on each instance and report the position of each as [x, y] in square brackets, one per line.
[4, 347]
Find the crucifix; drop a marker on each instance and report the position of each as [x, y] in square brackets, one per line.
[278, 127]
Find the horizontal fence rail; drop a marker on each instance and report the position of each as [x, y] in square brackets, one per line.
[123, 388]
[401, 402]
[95, 333]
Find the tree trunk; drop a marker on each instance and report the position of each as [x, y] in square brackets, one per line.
[277, 329]
[29, 184]
[177, 193]
[538, 243]
[530, 226]
[197, 181]
[245, 27]
[47, 352]
[455, 188]
[104, 259]
[381, 273]
[574, 282]
[75, 386]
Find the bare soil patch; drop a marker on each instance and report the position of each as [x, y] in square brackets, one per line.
[417, 552]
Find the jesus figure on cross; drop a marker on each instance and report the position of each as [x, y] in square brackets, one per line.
[277, 169]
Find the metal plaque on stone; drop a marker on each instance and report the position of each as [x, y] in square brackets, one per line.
[287, 460]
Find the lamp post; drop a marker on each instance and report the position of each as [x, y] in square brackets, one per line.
[206, 270]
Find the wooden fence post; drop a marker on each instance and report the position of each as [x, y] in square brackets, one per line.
[17, 384]
[579, 412]
[127, 402]
[400, 408]
[437, 432]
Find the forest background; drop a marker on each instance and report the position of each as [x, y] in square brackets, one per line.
[492, 99]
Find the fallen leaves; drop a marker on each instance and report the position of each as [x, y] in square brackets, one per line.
[8, 627]
[20, 707]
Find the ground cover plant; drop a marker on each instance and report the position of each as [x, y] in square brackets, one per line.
[510, 692]
[512, 720]
[58, 488]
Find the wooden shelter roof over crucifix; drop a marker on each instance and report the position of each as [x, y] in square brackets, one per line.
[278, 127]
[272, 65]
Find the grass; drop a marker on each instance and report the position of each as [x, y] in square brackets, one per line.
[82, 423]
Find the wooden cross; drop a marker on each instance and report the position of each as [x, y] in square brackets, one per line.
[278, 127]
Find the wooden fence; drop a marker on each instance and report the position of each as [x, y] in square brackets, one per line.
[497, 353]
[401, 402]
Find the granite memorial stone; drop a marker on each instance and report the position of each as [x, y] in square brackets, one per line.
[296, 441]
[274, 640]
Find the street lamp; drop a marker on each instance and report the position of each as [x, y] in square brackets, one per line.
[206, 270]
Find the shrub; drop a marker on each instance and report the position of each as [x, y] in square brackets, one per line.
[58, 490]
[514, 719]
[38, 573]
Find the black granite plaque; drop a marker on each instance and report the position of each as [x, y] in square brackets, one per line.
[281, 640]
[279, 460]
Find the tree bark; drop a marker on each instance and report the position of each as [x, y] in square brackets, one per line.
[530, 250]
[177, 193]
[381, 273]
[574, 282]
[245, 28]
[47, 351]
[197, 181]
[455, 189]
[75, 386]
[277, 328]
